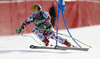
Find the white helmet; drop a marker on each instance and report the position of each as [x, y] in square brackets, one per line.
[36, 9]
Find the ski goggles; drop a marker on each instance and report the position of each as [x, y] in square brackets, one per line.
[35, 12]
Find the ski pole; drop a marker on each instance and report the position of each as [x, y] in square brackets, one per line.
[78, 41]
[31, 37]
[72, 38]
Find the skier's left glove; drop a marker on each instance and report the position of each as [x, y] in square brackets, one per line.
[43, 27]
[19, 30]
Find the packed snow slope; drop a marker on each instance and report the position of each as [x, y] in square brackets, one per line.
[17, 47]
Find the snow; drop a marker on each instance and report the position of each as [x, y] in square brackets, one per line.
[17, 47]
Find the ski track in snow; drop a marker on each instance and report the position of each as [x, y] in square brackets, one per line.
[17, 47]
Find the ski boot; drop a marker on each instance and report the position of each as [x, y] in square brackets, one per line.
[68, 44]
[46, 41]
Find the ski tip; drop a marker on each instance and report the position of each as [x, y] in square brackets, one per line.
[31, 46]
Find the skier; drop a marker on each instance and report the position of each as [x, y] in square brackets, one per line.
[42, 21]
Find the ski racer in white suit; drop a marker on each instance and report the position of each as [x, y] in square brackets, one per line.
[42, 21]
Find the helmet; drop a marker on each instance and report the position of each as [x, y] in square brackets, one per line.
[36, 9]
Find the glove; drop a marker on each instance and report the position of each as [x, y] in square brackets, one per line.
[19, 30]
[42, 27]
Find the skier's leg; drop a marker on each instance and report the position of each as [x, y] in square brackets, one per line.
[40, 35]
[52, 35]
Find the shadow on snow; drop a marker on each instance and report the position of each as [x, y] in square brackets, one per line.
[32, 51]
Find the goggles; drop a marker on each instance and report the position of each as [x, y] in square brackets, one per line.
[35, 12]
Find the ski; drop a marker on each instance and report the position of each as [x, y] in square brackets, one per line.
[74, 48]
[59, 48]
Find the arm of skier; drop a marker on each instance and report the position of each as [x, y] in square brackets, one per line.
[23, 26]
[47, 21]
[47, 17]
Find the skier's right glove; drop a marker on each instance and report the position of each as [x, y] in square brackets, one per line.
[19, 30]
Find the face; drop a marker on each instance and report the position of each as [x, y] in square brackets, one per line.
[37, 15]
